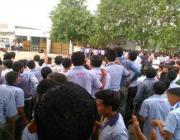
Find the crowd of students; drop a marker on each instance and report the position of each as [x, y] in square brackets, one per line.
[81, 98]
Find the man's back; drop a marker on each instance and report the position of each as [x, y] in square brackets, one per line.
[98, 74]
[79, 75]
[116, 72]
[155, 107]
[7, 104]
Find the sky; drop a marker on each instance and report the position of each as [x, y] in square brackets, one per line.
[34, 13]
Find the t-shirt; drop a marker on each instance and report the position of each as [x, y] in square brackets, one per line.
[26, 135]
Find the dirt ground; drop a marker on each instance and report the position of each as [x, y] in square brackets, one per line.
[29, 55]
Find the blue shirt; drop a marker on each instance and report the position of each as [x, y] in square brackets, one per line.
[116, 72]
[114, 129]
[145, 90]
[7, 104]
[83, 77]
[37, 73]
[155, 107]
[18, 95]
[172, 123]
[98, 74]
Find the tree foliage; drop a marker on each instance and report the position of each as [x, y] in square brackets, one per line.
[116, 20]
[71, 21]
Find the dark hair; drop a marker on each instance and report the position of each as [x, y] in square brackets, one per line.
[31, 64]
[110, 54]
[110, 98]
[44, 85]
[41, 61]
[58, 60]
[36, 58]
[96, 60]
[66, 62]
[159, 87]
[8, 63]
[65, 112]
[119, 51]
[166, 81]
[172, 75]
[59, 77]
[11, 77]
[45, 71]
[78, 58]
[7, 56]
[24, 62]
[13, 54]
[17, 66]
[174, 91]
[151, 72]
[132, 55]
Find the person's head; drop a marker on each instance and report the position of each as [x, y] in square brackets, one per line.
[58, 60]
[159, 87]
[13, 54]
[151, 72]
[36, 58]
[107, 101]
[65, 112]
[11, 78]
[132, 55]
[31, 64]
[18, 66]
[66, 62]
[110, 55]
[8, 63]
[24, 62]
[41, 61]
[165, 68]
[171, 75]
[7, 56]
[45, 71]
[58, 77]
[119, 51]
[44, 85]
[96, 61]
[173, 95]
[78, 58]
[166, 81]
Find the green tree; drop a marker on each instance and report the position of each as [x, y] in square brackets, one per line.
[71, 21]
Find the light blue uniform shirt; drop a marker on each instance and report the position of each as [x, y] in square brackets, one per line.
[116, 72]
[98, 74]
[18, 95]
[155, 107]
[7, 104]
[172, 123]
[83, 77]
[114, 129]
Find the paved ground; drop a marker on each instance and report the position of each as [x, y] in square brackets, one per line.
[28, 55]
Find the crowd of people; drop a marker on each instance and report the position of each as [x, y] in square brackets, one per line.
[90, 97]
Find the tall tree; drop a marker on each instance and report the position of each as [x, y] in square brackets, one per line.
[71, 21]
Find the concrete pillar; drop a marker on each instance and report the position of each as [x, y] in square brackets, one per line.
[48, 45]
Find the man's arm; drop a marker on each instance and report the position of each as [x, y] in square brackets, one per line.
[22, 115]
